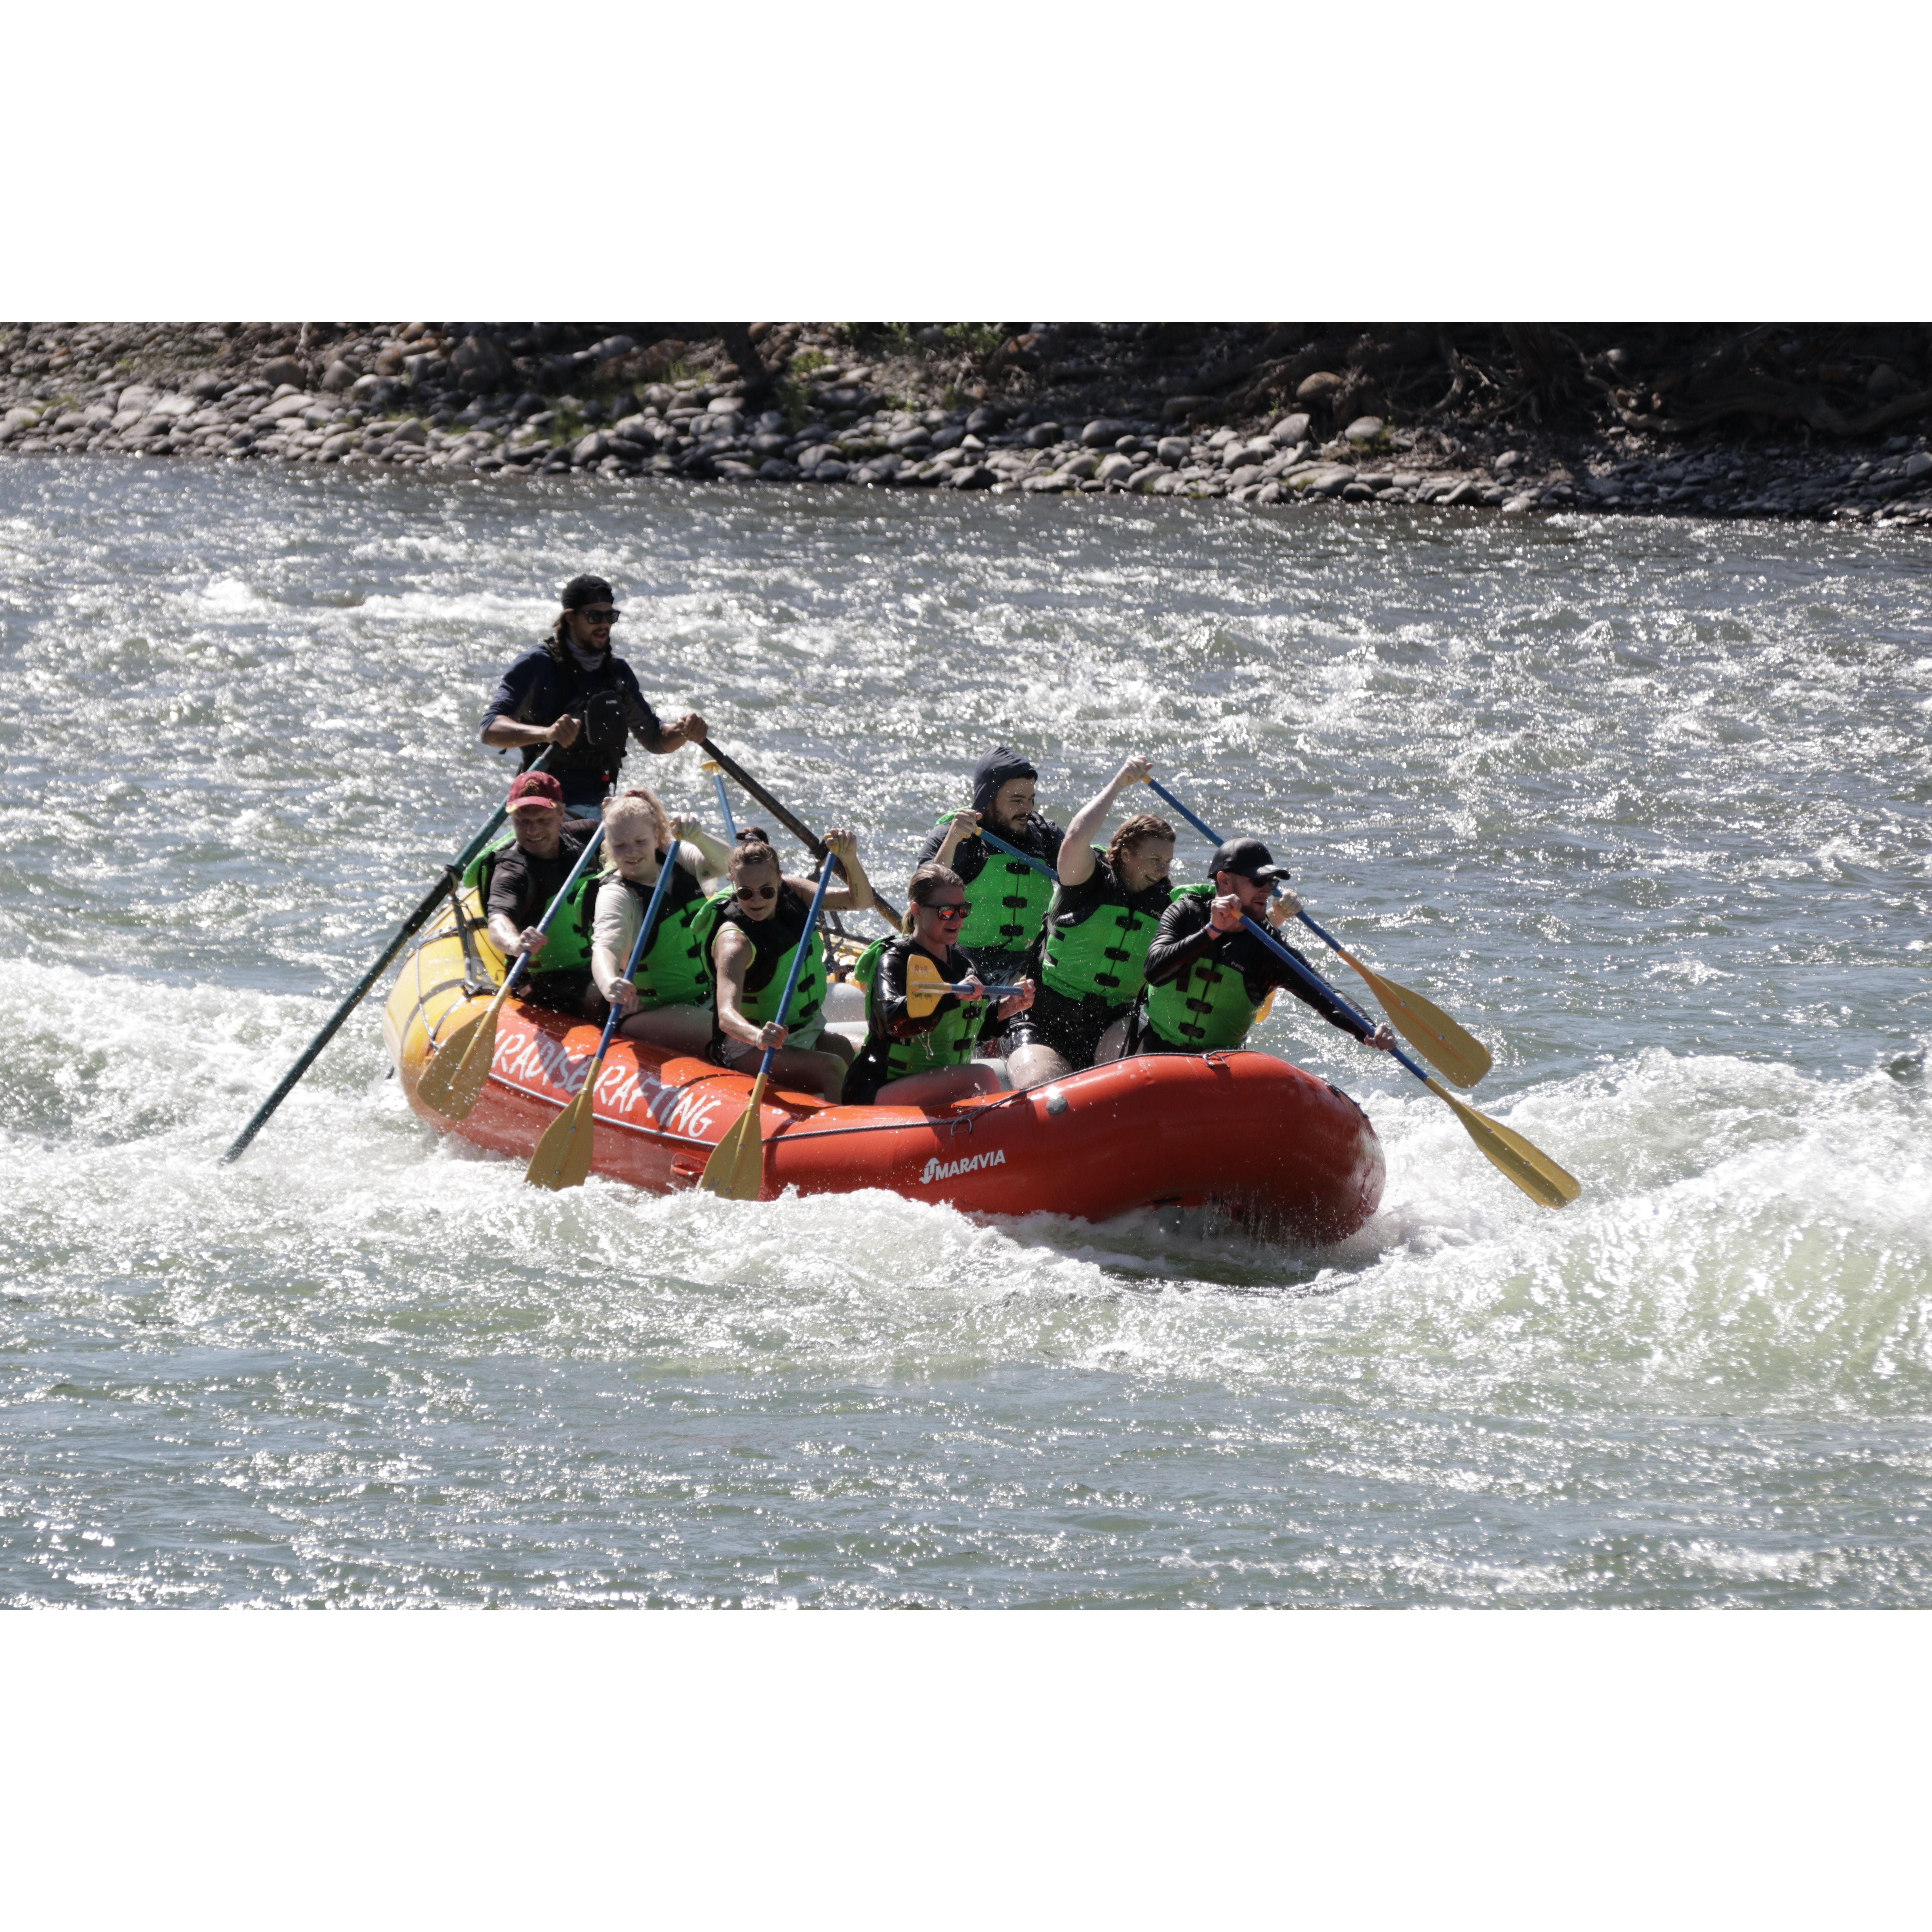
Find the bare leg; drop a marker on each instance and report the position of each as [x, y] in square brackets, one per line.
[941, 1086]
[682, 1029]
[808, 1069]
[1111, 1042]
[1035, 1065]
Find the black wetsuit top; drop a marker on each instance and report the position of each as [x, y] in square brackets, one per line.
[1186, 935]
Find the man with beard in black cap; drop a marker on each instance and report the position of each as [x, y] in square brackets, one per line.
[573, 693]
[1006, 899]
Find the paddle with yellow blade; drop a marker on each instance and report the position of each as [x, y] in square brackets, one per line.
[926, 986]
[1525, 1163]
[1456, 1054]
[454, 1077]
[736, 1171]
[562, 1157]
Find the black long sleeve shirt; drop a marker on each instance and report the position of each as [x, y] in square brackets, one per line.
[1186, 935]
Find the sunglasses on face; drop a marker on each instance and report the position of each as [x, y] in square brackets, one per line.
[951, 909]
[603, 616]
[758, 891]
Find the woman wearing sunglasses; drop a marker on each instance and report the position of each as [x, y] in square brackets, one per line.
[759, 922]
[925, 1060]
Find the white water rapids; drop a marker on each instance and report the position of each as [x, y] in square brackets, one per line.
[1643, 803]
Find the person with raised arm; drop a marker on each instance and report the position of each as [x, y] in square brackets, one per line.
[1093, 948]
[572, 693]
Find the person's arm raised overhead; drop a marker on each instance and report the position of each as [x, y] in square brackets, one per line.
[1076, 851]
[856, 895]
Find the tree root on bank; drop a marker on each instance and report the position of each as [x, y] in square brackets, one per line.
[1782, 403]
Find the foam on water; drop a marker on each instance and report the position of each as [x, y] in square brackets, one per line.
[1647, 812]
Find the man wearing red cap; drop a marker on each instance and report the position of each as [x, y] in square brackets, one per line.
[573, 695]
[523, 879]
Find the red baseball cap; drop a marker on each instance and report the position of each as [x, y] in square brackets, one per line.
[532, 789]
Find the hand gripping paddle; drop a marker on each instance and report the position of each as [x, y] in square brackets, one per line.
[454, 1077]
[562, 1157]
[926, 986]
[736, 1171]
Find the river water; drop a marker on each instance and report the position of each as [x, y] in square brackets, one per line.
[1644, 803]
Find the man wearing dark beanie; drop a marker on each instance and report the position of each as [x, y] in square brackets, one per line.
[573, 693]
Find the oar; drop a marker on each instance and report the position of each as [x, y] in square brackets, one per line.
[926, 986]
[401, 937]
[723, 802]
[803, 833]
[1455, 1054]
[1526, 1164]
[454, 1077]
[562, 1157]
[736, 1171]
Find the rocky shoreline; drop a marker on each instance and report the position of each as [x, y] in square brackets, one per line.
[957, 407]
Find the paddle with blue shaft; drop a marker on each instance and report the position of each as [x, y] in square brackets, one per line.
[562, 1158]
[926, 986]
[403, 934]
[736, 1171]
[454, 1077]
[1456, 1054]
[717, 772]
[799, 829]
[1520, 1159]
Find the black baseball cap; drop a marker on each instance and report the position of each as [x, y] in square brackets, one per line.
[582, 590]
[1247, 858]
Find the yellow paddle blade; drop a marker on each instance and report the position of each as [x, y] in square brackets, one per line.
[454, 1077]
[925, 985]
[1457, 1055]
[736, 1171]
[562, 1158]
[1525, 1163]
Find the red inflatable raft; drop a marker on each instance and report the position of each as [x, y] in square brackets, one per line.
[1271, 1144]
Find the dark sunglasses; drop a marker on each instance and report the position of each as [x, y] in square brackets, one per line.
[758, 891]
[604, 616]
[957, 909]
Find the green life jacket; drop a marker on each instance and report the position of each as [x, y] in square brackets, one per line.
[568, 935]
[950, 1042]
[774, 940]
[1008, 900]
[676, 970]
[1100, 951]
[476, 874]
[1205, 1007]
